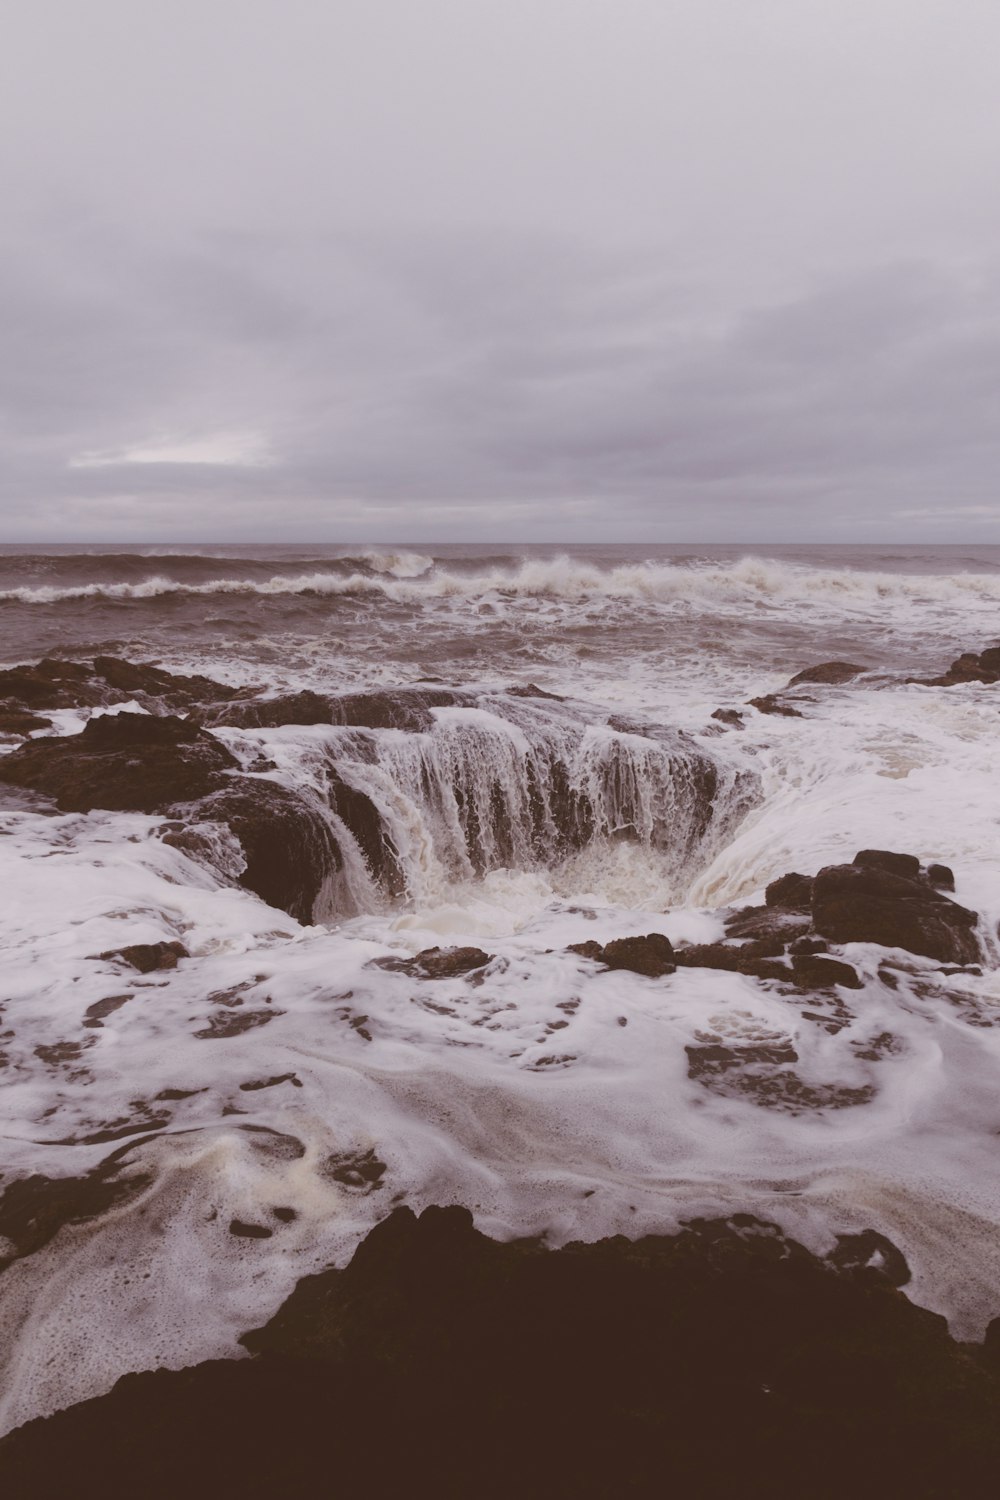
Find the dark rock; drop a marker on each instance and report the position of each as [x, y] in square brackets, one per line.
[883, 859]
[123, 762]
[365, 824]
[808, 945]
[148, 681]
[34, 1209]
[942, 877]
[708, 956]
[249, 1231]
[833, 672]
[791, 892]
[814, 972]
[437, 963]
[617, 1366]
[362, 1171]
[49, 684]
[96, 1013]
[587, 949]
[531, 690]
[235, 1023]
[729, 716]
[969, 667]
[765, 968]
[651, 955]
[772, 704]
[869, 904]
[18, 721]
[871, 1253]
[270, 1083]
[397, 708]
[290, 849]
[767, 922]
[148, 956]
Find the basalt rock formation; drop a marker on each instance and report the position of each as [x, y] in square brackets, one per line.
[971, 666]
[723, 1360]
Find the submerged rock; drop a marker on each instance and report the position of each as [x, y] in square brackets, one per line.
[771, 703]
[442, 1362]
[829, 672]
[437, 963]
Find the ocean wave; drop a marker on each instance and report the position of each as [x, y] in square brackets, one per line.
[413, 578]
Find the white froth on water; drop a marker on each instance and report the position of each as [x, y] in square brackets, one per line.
[548, 1095]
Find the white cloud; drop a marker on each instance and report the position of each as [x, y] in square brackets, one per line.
[240, 450]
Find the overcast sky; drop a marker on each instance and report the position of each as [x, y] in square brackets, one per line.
[519, 269]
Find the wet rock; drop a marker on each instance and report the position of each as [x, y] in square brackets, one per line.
[830, 672]
[364, 822]
[815, 972]
[870, 904]
[16, 721]
[808, 945]
[146, 957]
[770, 703]
[650, 1349]
[122, 762]
[971, 666]
[767, 922]
[531, 690]
[289, 847]
[34, 1209]
[270, 1083]
[362, 1171]
[245, 1231]
[765, 968]
[884, 859]
[145, 680]
[587, 949]
[396, 708]
[95, 1014]
[724, 956]
[729, 716]
[871, 1253]
[790, 892]
[49, 684]
[651, 955]
[437, 963]
[942, 877]
[234, 1023]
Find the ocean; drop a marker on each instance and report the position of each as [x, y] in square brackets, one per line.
[563, 781]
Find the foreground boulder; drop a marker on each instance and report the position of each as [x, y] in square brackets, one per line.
[724, 1360]
[289, 848]
[866, 903]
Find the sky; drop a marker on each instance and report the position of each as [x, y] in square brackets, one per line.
[553, 270]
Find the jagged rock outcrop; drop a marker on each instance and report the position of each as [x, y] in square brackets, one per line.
[971, 666]
[123, 762]
[866, 903]
[52, 683]
[397, 708]
[442, 1362]
[830, 673]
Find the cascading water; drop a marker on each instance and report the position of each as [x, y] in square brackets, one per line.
[508, 783]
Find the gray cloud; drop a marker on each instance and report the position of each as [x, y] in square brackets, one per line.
[542, 272]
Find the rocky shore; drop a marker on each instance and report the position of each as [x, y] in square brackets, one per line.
[722, 1360]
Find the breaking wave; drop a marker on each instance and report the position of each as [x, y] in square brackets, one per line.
[413, 578]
